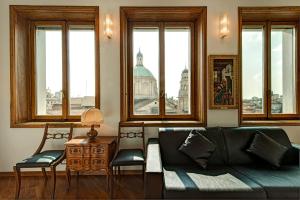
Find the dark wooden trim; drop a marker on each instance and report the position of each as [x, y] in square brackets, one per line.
[268, 16]
[164, 16]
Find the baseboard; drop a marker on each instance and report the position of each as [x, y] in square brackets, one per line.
[63, 173]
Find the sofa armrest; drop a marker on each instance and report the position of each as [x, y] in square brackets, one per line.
[154, 170]
[296, 148]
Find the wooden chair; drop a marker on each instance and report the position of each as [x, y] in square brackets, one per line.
[45, 159]
[128, 157]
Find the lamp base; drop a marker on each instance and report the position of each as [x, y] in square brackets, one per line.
[92, 134]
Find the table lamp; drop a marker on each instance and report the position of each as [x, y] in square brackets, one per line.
[92, 117]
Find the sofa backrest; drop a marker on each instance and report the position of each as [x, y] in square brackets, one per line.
[237, 140]
[231, 144]
[170, 140]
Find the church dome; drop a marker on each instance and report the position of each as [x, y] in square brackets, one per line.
[141, 71]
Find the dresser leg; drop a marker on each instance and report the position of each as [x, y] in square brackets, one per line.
[107, 180]
[77, 176]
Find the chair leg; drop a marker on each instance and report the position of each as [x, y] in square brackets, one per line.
[44, 174]
[143, 174]
[53, 173]
[68, 177]
[119, 174]
[18, 181]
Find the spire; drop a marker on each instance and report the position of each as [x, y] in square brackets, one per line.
[185, 70]
[139, 58]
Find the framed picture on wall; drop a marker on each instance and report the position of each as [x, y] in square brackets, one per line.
[223, 81]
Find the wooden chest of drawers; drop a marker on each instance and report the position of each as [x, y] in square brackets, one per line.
[84, 155]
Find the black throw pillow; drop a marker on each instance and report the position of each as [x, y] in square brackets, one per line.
[267, 149]
[198, 147]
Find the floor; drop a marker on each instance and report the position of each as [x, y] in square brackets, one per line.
[87, 187]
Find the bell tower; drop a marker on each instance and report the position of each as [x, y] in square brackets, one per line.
[183, 95]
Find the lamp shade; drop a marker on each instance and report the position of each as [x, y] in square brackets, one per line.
[92, 116]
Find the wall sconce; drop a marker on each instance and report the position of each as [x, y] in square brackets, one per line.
[108, 26]
[224, 31]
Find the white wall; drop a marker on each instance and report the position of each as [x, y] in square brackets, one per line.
[16, 144]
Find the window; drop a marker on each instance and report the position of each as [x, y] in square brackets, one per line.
[57, 76]
[50, 71]
[163, 76]
[269, 67]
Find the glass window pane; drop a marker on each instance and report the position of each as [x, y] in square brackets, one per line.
[81, 68]
[145, 71]
[253, 70]
[177, 71]
[283, 70]
[48, 67]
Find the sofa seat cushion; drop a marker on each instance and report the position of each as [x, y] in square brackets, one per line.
[43, 159]
[219, 182]
[283, 183]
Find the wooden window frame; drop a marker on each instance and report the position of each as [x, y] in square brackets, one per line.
[265, 17]
[23, 20]
[164, 17]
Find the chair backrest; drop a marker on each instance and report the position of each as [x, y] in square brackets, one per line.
[138, 132]
[57, 135]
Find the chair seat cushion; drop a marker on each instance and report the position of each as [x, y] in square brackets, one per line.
[282, 183]
[43, 159]
[126, 157]
[216, 183]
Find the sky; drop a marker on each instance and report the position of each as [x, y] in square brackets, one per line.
[252, 62]
[81, 62]
[177, 54]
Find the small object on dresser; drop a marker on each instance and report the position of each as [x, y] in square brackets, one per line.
[92, 117]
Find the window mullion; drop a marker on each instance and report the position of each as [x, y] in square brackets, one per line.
[161, 70]
[297, 69]
[65, 95]
[268, 68]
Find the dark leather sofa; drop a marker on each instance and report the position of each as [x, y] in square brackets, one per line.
[232, 173]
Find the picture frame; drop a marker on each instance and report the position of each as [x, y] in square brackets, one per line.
[223, 81]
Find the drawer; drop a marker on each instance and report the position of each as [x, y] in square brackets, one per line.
[74, 164]
[79, 164]
[98, 150]
[74, 151]
[98, 163]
